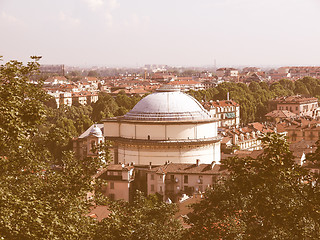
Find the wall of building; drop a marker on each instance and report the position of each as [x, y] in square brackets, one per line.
[119, 191]
[143, 155]
[160, 131]
[174, 184]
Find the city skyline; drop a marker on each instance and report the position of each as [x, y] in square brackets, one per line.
[177, 33]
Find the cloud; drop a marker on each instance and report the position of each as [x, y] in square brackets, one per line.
[136, 20]
[68, 19]
[112, 4]
[109, 19]
[94, 4]
[9, 18]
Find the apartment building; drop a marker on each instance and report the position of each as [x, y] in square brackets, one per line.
[301, 106]
[227, 111]
[119, 182]
[172, 180]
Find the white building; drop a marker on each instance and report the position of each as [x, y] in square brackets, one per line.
[84, 145]
[227, 111]
[164, 126]
[174, 180]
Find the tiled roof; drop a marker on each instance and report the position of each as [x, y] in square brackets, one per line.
[281, 114]
[184, 82]
[221, 103]
[295, 99]
[189, 168]
[99, 212]
[119, 167]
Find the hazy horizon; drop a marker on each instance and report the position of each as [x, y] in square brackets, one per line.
[120, 33]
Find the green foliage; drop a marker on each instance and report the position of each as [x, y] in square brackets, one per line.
[314, 157]
[20, 103]
[145, 218]
[270, 197]
[126, 102]
[51, 102]
[254, 99]
[105, 107]
[93, 73]
[63, 125]
[300, 88]
[37, 200]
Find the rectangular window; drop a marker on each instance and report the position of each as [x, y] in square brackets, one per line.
[111, 196]
[172, 177]
[152, 177]
[152, 188]
[185, 179]
[111, 185]
[161, 189]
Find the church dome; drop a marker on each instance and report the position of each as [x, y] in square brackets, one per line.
[96, 131]
[168, 105]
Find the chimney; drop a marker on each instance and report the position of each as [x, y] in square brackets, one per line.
[228, 96]
[197, 162]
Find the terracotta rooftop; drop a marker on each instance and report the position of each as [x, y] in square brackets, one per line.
[295, 99]
[221, 103]
[189, 169]
[281, 114]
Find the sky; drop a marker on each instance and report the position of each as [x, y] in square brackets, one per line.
[174, 32]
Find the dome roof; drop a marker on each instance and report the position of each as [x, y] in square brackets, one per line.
[168, 105]
[96, 131]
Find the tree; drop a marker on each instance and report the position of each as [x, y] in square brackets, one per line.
[270, 197]
[104, 107]
[93, 73]
[254, 86]
[314, 157]
[145, 218]
[300, 88]
[37, 200]
[287, 84]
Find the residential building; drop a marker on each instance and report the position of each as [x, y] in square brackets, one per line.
[227, 72]
[245, 138]
[302, 129]
[227, 111]
[51, 81]
[65, 98]
[279, 115]
[302, 106]
[118, 182]
[173, 180]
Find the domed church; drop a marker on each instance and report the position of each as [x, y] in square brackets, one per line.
[166, 126]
